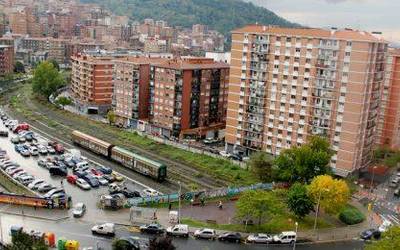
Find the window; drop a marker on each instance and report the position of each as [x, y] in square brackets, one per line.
[288, 39]
[349, 43]
[278, 38]
[347, 54]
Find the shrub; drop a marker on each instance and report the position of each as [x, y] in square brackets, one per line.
[351, 215]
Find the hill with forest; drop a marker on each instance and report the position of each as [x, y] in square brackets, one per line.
[221, 15]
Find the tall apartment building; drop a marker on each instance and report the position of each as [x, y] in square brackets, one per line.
[390, 114]
[6, 59]
[287, 84]
[132, 89]
[91, 83]
[188, 97]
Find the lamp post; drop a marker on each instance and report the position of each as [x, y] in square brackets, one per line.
[179, 203]
[295, 240]
[318, 204]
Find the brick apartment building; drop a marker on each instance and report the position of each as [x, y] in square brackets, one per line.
[91, 83]
[287, 84]
[188, 97]
[390, 114]
[132, 89]
[6, 59]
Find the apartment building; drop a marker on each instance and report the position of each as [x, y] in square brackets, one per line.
[6, 59]
[188, 97]
[91, 83]
[132, 89]
[57, 49]
[390, 115]
[287, 84]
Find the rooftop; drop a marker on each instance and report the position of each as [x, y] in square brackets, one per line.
[340, 34]
[193, 63]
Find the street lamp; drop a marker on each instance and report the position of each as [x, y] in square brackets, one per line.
[179, 203]
[295, 240]
[318, 204]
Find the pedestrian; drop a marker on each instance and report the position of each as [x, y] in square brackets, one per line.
[220, 205]
[170, 206]
[202, 201]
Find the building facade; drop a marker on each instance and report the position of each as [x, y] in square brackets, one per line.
[390, 114]
[287, 84]
[6, 59]
[188, 97]
[91, 83]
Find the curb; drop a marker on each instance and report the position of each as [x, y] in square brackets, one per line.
[36, 217]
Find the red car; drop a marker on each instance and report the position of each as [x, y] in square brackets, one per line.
[72, 178]
[57, 147]
[96, 172]
[21, 127]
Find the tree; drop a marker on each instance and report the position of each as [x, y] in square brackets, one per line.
[389, 240]
[261, 165]
[19, 67]
[161, 243]
[298, 200]
[55, 64]
[63, 101]
[111, 117]
[332, 193]
[46, 79]
[302, 164]
[256, 205]
[22, 240]
[119, 244]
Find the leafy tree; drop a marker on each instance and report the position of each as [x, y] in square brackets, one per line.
[19, 67]
[46, 79]
[332, 193]
[118, 244]
[111, 117]
[257, 205]
[55, 64]
[161, 243]
[63, 101]
[261, 165]
[301, 164]
[298, 200]
[22, 240]
[389, 240]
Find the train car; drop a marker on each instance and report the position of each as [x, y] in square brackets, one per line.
[91, 143]
[139, 163]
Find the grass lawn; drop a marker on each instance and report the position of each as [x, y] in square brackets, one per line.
[221, 169]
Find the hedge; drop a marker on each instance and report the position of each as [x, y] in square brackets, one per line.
[351, 215]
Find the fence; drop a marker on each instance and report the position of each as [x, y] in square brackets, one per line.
[195, 196]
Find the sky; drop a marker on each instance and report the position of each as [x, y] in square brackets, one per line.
[369, 15]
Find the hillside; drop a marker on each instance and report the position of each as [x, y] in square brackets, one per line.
[222, 15]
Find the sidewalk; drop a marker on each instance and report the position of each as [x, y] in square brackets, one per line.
[38, 213]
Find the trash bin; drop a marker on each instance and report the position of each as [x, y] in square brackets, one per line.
[50, 239]
[72, 245]
[61, 244]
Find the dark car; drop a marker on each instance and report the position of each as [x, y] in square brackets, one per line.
[236, 157]
[19, 148]
[60, 164]
[105, 170]
[370, 234]
[69, 163]
[130, 243]
[80, 174]
[397, 192]
[109, 178]
[93, 182]
[58, 171]
[152, 229]
[230, 237]
[130, 194]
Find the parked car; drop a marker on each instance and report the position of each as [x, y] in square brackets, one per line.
[21, 127]
[35, 184]
[370, 234]
[54, 191]
[25, 153]
[105, 170]
[397, 192]
[80, 174]
[149, 192]
[82, 184]
[42, 163]
[178, 230]
[59, 149]
[152, 229]
[259, 238]
[131, 242]
[230, 237]
[117, 177]
[69, 163]
[34, 151]
[130, 194]
[25, 180]
[104, 229]
[72, 178]
[4, 133]
[205, 233]
[50, 150]
[45, 187]
[109, 178]
[101, 180]
[42, 150]
[285, 237]
[15, 139]
[58, 171]
[393, 184]
[79, 210]
[91, 180]
[224, 154]
[96, 172]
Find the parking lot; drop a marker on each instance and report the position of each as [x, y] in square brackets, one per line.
[30, 165]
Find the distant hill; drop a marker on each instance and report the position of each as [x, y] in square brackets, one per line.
[221, 15]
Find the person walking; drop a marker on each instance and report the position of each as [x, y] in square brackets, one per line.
[220, 205]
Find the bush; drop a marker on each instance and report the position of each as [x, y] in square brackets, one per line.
[351, 216]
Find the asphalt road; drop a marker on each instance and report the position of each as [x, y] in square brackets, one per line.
[77, 230]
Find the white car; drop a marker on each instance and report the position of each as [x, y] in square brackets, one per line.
[79, 210]
[285, 238]
[101, 180]
[205, 233]
[42, 149]
[35, 184]
[82, 184]
[34, 151]
[50, 150]
[45, 187]
[104, 229]
[259, 238]
[178, 230]
[224, 153]
[149, 192]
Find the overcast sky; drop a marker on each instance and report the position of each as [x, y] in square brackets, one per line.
[370, 15]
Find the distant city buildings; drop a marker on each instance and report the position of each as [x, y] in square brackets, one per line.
[288, 84]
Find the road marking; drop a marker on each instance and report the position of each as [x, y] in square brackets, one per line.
[96, 163]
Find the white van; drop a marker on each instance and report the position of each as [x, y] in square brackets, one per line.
[83, 165]
[285, 237]
[178, 230]
[104, 229]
